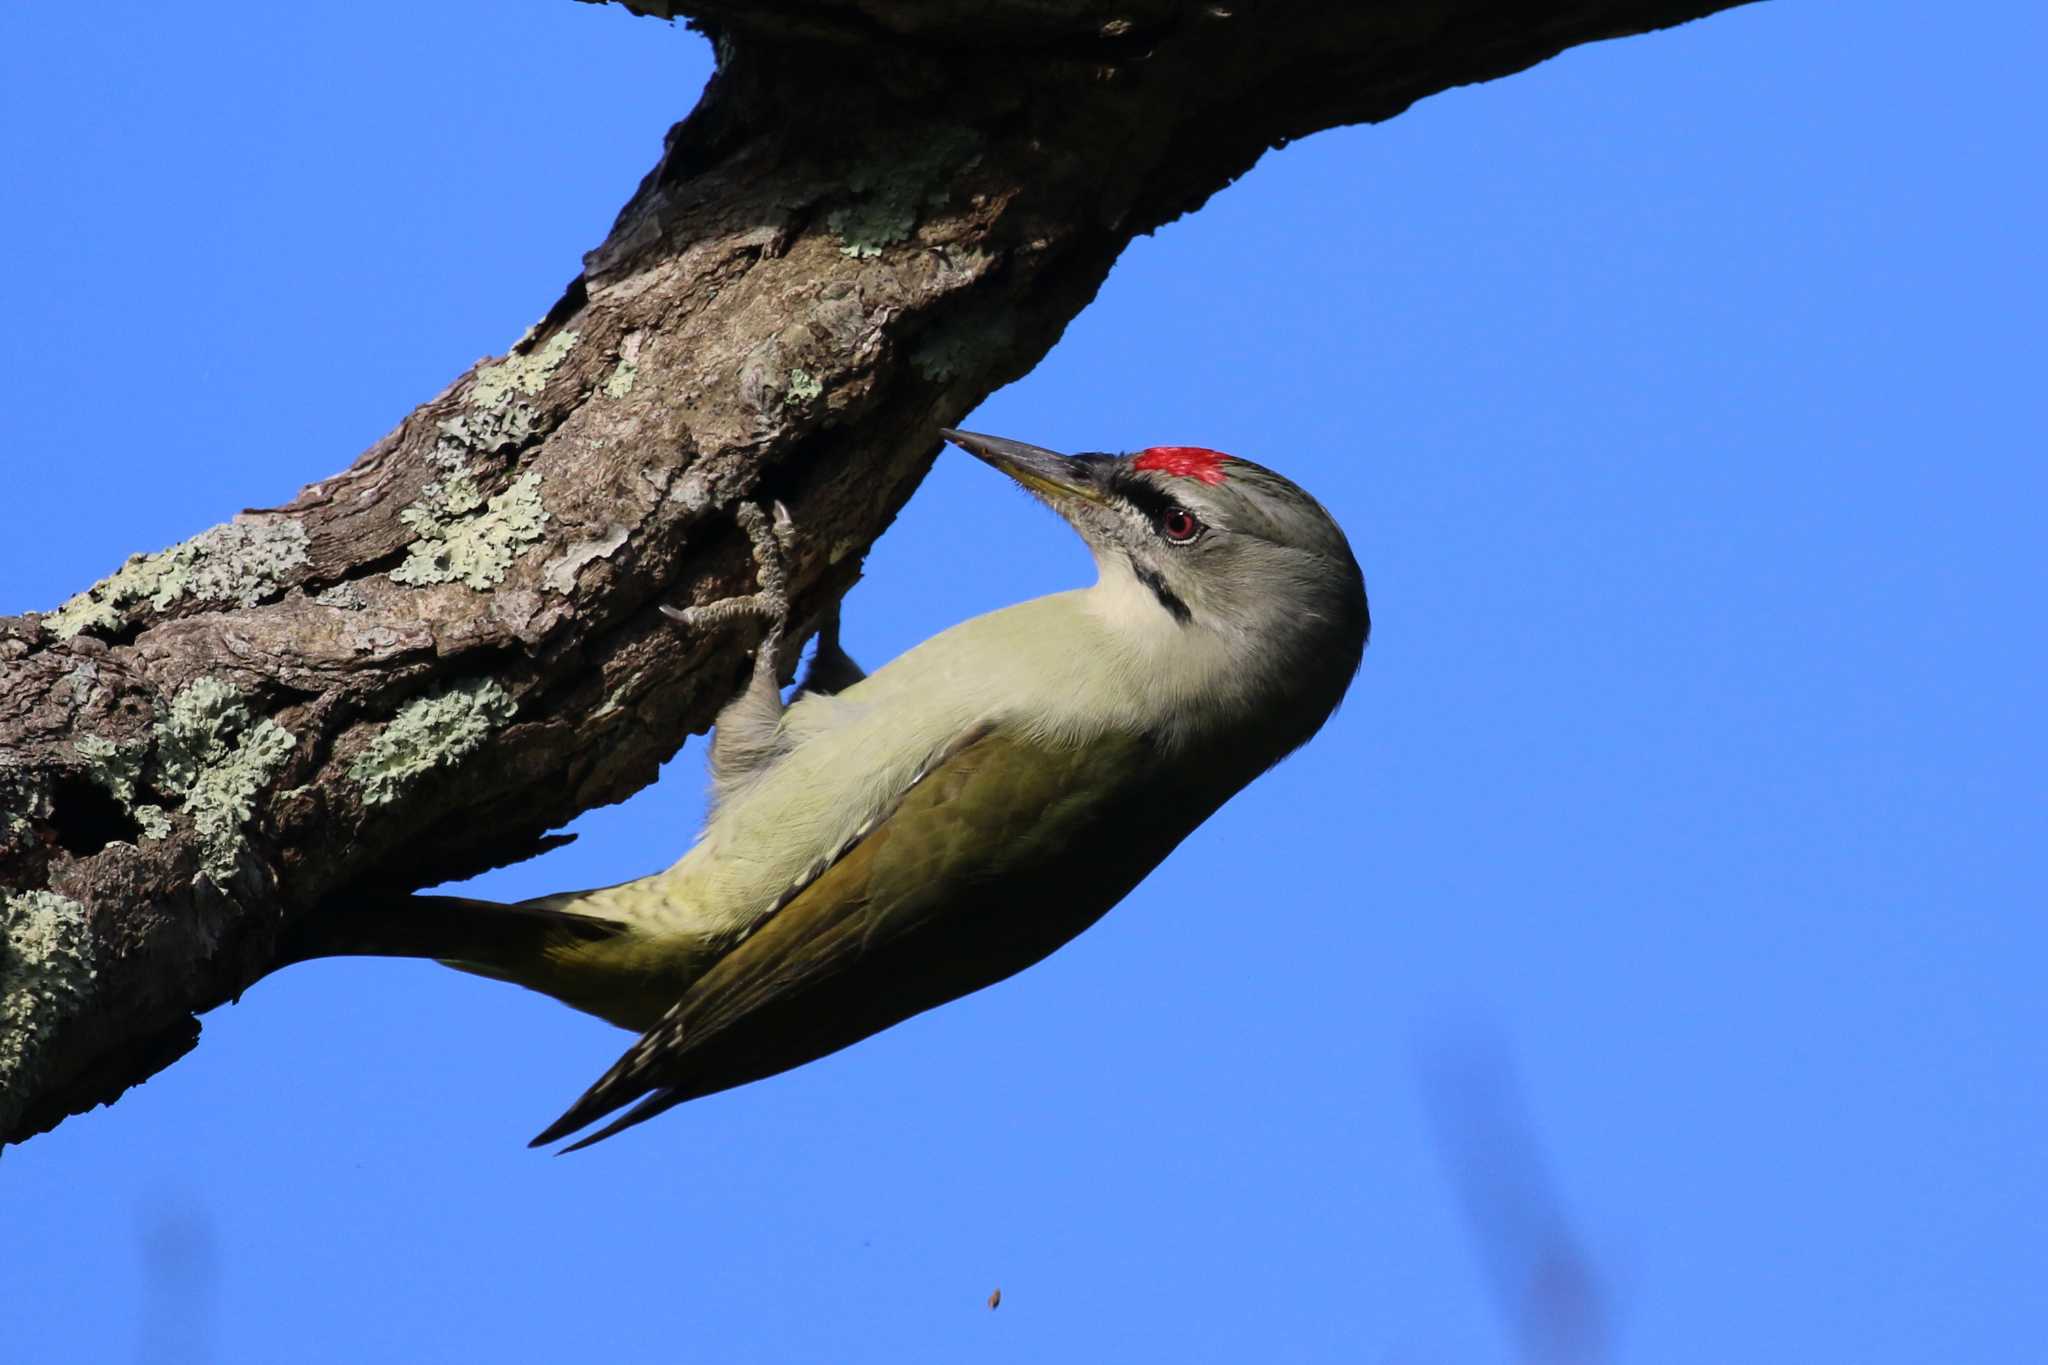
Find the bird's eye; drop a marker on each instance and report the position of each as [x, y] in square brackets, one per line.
[1179, 525]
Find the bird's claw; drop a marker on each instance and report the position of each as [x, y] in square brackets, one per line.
[772, 537]
[772, 534]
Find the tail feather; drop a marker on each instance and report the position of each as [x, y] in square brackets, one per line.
[487, 935]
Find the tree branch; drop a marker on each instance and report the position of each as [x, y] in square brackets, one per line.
[880, 211]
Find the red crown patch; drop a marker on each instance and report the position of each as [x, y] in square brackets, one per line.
[1186, 462]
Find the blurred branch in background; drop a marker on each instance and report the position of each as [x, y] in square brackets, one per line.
[1541, 1277]
[180, 1249]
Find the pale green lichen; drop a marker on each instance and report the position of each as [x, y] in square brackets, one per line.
[462, 541]
[893, 191]
[803, 387]
[242, 562]
[458, 495]
[224, 797]
[498, 418]
[118, 768]
[863, 229]
[434, 731]
[486, 432]
[211, 754]
[198, 730]
[620, 382]
[527, 374]
[114, 766]
[343, 597]
[215, 754]
[24, 801]
[154, 822]
[453, 445]
[46, 971]
[83, 680]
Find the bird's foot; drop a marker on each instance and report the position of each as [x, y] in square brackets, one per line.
[772, 537]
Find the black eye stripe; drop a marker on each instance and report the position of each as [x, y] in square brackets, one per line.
[1142, 495]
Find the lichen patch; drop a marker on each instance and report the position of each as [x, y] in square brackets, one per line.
[217, 756]
[434, 731]
[527, 374]
[892, 193]
[241, 562]
[115, 767]
[620, 383]
[465, 538]
[343, 597]
[46, 971]
[224, 797]
[803, 387]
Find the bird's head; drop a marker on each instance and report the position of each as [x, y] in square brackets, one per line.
[1194, 543]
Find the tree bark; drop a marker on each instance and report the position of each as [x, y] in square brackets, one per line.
[880, 211]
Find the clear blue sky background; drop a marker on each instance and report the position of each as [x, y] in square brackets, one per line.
[1667, 900]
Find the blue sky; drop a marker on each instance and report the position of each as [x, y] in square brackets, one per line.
[1667, 897]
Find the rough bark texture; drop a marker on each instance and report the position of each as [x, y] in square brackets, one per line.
[880, 211]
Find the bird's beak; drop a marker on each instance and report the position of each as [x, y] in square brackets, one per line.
[1048, 473]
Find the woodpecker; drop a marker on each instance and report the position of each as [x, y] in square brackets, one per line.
[886, 843]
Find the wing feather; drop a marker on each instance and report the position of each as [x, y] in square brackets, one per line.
[1002, 850]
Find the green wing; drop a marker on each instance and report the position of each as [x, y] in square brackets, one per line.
[1003, 852]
